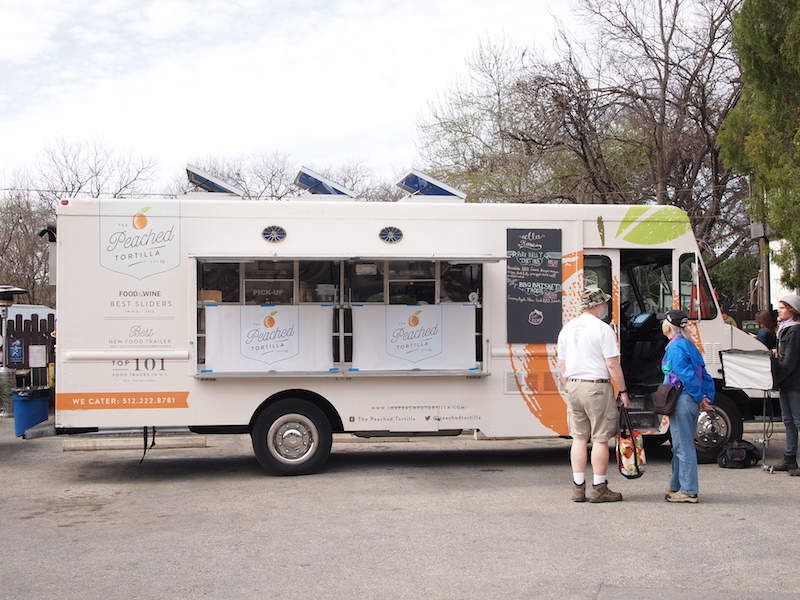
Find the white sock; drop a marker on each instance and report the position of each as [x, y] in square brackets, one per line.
[598, 479]
[579, 478]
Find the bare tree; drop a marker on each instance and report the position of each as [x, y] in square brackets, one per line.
[629, 115]
[23, 253]
[464, 136]
[67, 169]
[92, 168]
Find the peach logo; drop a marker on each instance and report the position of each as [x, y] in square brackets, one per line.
[139, 221]
[264, 337]
[414, 336]
[140, 241]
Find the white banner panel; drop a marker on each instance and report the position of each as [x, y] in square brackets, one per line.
[268, 338]
[747, 369]
[406, 337]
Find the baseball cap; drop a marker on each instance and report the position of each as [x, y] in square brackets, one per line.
[676, 317]
[593, 297]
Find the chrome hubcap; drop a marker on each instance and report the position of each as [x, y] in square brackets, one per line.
[292, 438]
[713, 429]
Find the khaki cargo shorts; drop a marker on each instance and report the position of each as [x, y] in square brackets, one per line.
[592, 411]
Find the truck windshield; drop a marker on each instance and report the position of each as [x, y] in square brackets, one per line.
[646, 281]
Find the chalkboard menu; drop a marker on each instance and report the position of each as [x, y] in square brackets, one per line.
[533, 285]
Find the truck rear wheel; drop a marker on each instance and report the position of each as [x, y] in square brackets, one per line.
[292, 437]
[716, 428]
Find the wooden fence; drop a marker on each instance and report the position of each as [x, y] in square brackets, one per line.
[741, 313]
[30, 338]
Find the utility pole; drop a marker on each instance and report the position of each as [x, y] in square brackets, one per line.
[758, 231]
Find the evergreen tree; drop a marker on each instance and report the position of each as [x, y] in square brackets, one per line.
[762, 133]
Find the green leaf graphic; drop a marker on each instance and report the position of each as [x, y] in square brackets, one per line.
[634, 212]
[665, 224]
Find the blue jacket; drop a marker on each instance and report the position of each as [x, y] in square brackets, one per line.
[767, 337]
[684, 364]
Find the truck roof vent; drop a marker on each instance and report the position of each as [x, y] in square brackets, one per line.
[210, 183]
[424, 188]
[314, 183]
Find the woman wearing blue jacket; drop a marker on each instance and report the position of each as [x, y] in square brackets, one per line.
[683, 365]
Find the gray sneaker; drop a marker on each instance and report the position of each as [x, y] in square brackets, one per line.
[601, 493]
[788, 463]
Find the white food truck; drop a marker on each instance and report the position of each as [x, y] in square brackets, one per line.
[293, 320]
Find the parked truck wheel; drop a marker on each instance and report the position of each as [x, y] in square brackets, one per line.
[292, 437]
[716, 428]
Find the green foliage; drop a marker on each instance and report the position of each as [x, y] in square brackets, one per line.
[731, 278]
[761, 136]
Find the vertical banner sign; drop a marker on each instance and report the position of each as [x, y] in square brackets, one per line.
[533, 285]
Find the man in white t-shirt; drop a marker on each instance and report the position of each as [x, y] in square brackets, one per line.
[588, 357]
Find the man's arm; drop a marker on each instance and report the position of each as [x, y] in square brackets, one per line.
[615, 370]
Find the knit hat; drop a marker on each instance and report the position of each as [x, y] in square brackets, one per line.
[792, 300]
[676, 317]
[593, 297]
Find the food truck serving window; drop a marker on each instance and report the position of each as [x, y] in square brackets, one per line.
[329, 316]
[412, 282]
[297, 282]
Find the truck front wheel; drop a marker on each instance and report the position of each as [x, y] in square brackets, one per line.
[716, 428]
[292, 437]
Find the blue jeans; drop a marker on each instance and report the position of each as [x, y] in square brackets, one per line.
[790, 409]
[682, 427]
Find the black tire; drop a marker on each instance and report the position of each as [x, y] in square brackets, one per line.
[716, 428]
[292, 437]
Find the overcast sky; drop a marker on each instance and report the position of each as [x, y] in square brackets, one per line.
[324, 81]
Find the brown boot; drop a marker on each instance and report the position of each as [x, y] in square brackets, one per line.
[601, 493]
[579, 492]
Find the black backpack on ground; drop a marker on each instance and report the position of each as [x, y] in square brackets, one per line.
[739, 454]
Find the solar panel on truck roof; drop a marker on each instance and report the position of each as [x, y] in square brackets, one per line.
[210, 183]
[315, 183]
[419, 183]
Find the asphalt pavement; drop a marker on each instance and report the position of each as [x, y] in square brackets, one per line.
[391, 519]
